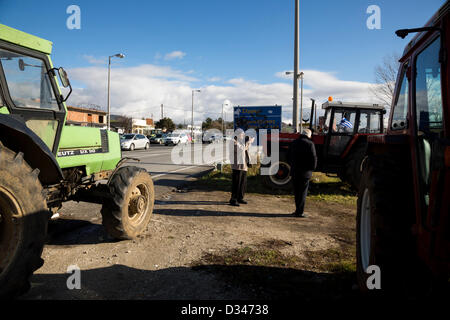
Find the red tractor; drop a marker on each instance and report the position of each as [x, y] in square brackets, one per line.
[403, 216]
[340, 139]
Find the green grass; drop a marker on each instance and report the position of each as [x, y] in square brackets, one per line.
[336, 260]
[322, 187]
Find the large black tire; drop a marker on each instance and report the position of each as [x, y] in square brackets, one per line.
[129, 211]
[352, 169]
[385, 215]
[132, 147]
[282, 179]
[23, 223]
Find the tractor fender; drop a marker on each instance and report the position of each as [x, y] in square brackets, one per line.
[16, 136]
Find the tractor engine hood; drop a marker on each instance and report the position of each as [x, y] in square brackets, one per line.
[76, 137]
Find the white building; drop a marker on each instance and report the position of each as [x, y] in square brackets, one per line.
[142, 126]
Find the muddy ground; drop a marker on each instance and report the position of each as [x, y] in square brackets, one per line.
[199, 247]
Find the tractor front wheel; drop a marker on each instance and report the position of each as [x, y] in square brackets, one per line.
[385, 216]
[128, 213]
[23, 223]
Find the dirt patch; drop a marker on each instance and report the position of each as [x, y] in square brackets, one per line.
[199, 247]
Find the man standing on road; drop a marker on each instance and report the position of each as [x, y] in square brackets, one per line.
[303, 161]
[239, 165]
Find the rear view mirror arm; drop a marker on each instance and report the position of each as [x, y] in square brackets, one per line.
[61, 99]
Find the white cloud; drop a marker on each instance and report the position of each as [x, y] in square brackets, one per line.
[215, 79]
[139, 91]
[174, 55]
[93, 60]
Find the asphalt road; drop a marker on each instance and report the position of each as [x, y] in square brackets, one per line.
[166, 176]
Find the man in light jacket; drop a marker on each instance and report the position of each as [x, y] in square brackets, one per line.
[239, 166]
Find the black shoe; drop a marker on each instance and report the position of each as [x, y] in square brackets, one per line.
[242, 201]
[295, 214]
[234, 203]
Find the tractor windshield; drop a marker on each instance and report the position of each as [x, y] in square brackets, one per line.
[28, 81]
[370, 121]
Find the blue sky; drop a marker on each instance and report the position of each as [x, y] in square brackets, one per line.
[220, 42]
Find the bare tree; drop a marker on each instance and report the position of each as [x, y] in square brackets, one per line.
[385, 77]
[123, 122]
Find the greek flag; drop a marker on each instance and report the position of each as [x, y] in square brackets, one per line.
[345, 123]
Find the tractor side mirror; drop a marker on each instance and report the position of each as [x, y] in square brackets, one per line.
[64, 78]
[64, 81]
[21, 65]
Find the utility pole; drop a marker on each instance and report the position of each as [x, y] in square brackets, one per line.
[162, 111]
[296, 68]
[192, 114]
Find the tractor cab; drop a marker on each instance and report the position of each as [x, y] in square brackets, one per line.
[342, 128]
[29, 87]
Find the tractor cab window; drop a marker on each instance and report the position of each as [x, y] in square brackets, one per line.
[343, 121]
[369, 122]
[429, 111]
[326, 121]
[429, 114]
[399, 117]
[341, 131]
[28, 82]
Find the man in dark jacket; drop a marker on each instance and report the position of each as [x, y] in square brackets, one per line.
[303, 161]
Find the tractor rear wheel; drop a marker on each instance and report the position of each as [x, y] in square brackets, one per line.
[23, 223]
[353, 166]
[282, 178]
[385, 216]
[129, 212]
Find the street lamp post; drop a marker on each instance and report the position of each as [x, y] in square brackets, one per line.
[192, 114]
[296, 65]
[226, 102]
[295, 118]
[119, 55]
[301, 101]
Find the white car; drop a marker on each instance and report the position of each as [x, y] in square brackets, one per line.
[176, 138]
[132, 141]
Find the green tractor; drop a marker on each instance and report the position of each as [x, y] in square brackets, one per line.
[44, 163]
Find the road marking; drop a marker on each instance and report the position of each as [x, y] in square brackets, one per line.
[182, 169]
[177, 170]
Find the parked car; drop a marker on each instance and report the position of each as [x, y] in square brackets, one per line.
[211, 137]
[176, 138]
[158, 138]
[132, 141]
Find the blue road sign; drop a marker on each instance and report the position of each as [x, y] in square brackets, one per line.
[263, 117]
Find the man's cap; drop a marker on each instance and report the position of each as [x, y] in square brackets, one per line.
[307, 132]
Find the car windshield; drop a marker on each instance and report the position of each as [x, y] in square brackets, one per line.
[127, 136]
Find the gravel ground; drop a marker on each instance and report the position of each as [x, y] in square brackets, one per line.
[199, 247]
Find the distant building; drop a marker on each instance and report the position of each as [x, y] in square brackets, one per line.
[85, 117]
[142, 126]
